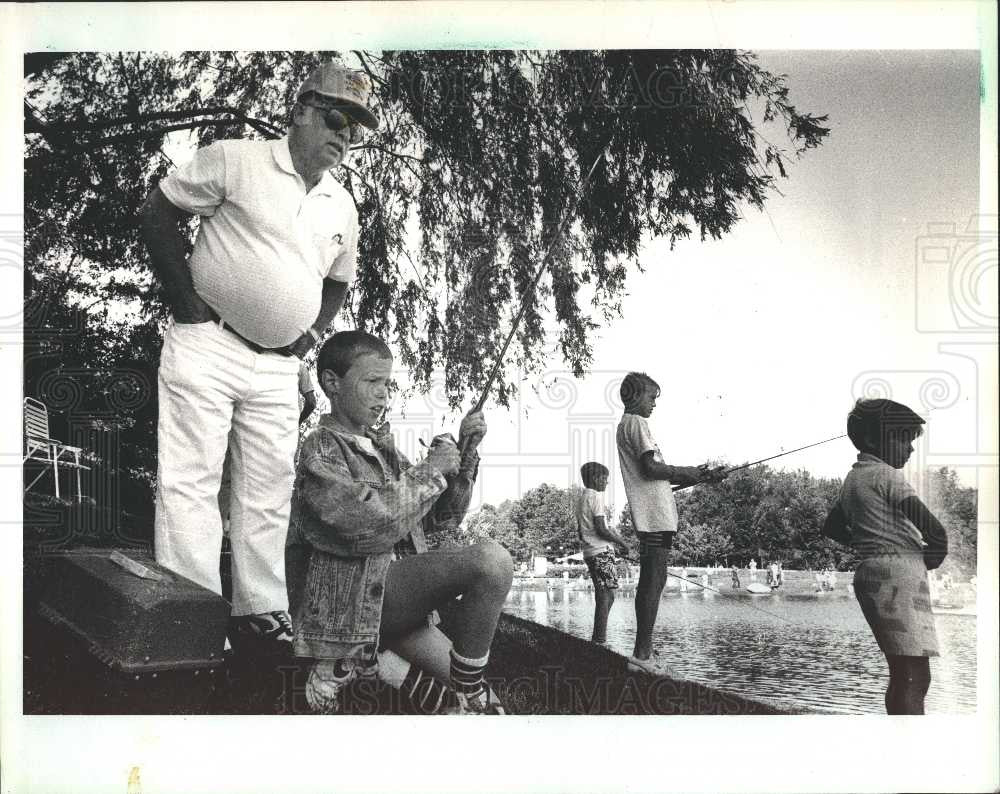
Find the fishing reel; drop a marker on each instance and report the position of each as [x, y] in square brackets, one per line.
[712, 474]
[442, 438]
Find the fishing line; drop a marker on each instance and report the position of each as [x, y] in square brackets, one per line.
[735, 597]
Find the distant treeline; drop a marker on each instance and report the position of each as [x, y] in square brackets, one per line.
[757, 513]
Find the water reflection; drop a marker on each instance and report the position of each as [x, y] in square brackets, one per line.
[815, 653]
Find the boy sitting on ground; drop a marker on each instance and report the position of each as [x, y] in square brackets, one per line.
[596, 540]
[359, 579]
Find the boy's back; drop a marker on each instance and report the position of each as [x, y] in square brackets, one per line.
[589, 504]
[870, 498]
[650, 501]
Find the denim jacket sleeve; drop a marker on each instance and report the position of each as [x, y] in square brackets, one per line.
[358, 518]
[451, 506]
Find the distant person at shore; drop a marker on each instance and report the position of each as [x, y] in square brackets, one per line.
[880, 516]
[597, 540]
[360, 576]
[648, 486]
[753, 570]
[736, 578]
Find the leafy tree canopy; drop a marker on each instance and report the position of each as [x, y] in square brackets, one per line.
[459, 192]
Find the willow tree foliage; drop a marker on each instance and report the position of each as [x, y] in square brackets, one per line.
[459, 193]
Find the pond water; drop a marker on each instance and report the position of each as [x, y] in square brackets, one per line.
[816, 654]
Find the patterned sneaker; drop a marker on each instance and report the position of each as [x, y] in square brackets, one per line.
[486, 703]
[328, 677]
[270, 632]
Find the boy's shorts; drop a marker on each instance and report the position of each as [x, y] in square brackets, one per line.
[602, 570]
[648, 541]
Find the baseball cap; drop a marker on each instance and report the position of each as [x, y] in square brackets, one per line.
[344, 85]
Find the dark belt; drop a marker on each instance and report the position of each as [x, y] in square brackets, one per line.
[281, 351]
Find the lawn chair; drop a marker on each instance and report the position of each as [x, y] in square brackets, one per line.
[40, 449]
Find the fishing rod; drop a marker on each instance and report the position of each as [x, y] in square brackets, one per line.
[764, 460]
[534, 283]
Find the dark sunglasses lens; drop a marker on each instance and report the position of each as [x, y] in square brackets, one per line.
[336, 120]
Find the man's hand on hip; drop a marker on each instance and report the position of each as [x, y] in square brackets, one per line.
[193, 310]
[302, 345]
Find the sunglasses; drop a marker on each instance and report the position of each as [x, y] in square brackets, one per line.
[337, 119]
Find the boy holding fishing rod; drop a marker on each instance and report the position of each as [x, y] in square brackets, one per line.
[649, 487]
[596, 539]
[898, 540]
[362, 590]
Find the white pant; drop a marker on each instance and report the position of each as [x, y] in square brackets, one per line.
[211, 382]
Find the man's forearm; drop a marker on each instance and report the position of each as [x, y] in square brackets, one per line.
[330, 304]
[165, 242]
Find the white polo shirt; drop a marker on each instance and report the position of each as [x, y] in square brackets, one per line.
[265, 243]
[651, 502]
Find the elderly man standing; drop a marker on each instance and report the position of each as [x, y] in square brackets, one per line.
[275, 251]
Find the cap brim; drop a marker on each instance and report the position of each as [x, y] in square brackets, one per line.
[359, 111]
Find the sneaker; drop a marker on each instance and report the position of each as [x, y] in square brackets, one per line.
[486, 702]
[327, 679]
[270, 631]
[653, 666]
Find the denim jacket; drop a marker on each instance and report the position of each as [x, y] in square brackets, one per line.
[358, 503]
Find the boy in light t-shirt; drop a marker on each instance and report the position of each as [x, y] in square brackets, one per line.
[596, 540]
[649, 487]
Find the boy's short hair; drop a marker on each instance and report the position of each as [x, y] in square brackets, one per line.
[588, 471]
[877, 419]
[340, 350]
[634, 385]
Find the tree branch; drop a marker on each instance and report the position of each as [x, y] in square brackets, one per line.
[398, 155]
[360, 55]
[139, 136]
[34, 125]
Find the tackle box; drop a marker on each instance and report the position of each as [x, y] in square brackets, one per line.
[134, 615]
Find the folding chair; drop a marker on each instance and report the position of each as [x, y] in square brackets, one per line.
[40, 449]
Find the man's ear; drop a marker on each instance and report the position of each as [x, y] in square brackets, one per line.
[297, 116]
